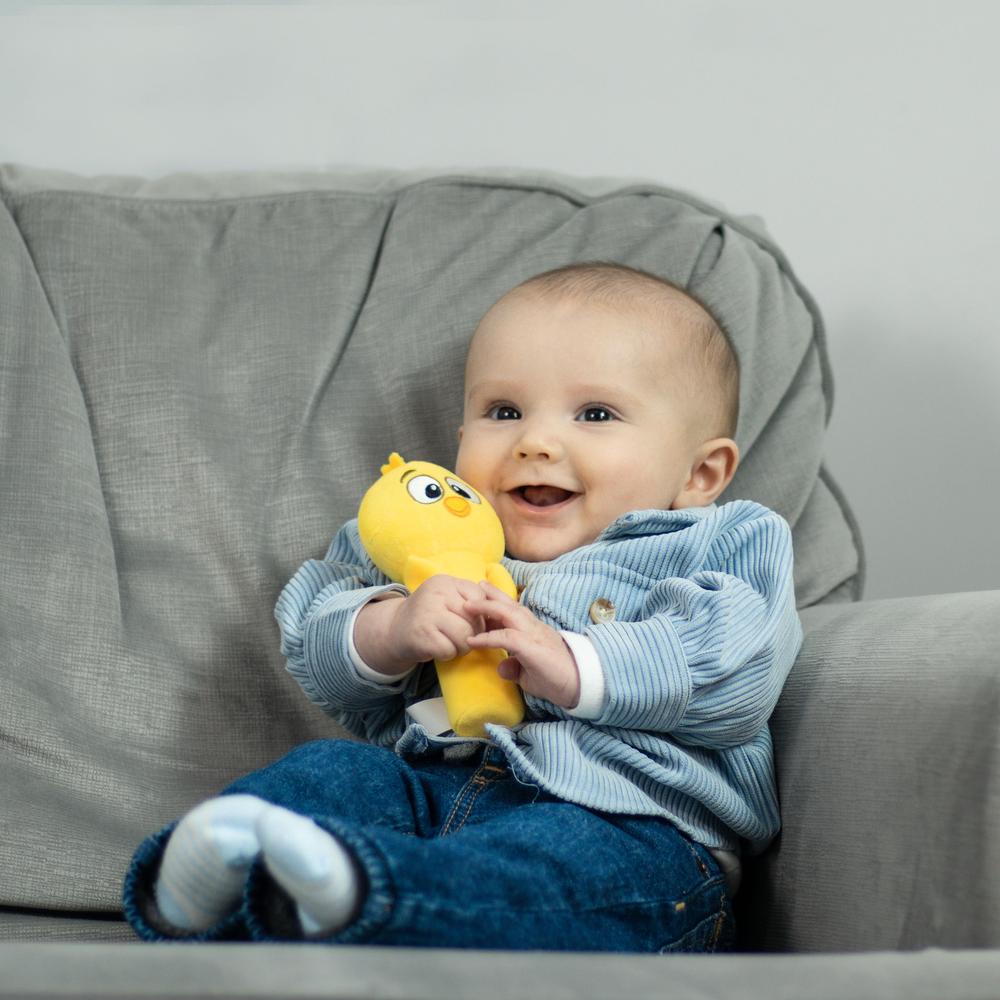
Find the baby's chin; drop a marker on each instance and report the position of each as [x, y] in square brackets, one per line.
[542, 549]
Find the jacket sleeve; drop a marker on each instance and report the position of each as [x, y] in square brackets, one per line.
[707, 661]
[315, 612]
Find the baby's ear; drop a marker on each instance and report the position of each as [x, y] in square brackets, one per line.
[713, 469]
[460, 432]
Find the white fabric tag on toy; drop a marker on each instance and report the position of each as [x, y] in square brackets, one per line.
[432, 715]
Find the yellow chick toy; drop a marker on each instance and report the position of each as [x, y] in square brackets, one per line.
[419, 520]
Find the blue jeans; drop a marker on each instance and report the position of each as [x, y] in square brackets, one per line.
[462, 855]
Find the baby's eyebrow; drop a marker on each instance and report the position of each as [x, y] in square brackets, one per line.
[598, 391]
[492, 387]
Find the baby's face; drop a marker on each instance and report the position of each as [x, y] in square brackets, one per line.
[570, 421]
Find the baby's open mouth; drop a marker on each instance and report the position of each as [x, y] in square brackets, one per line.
[543, 496]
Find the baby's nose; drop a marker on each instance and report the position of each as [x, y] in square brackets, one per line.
[539, 437]
[538, 445]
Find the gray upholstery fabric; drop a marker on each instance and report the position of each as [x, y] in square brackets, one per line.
[889, 775]
[198, 379]
[290, 971]
[52, 927]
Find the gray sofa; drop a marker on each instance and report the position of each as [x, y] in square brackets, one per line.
[199, 375]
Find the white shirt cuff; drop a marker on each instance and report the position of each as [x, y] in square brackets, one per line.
[365, 671]
[591, 703]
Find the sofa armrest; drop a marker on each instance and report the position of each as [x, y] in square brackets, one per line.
[888, 758]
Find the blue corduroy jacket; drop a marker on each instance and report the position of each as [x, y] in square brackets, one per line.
[704, 634]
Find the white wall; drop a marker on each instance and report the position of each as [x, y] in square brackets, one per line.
[863, 132]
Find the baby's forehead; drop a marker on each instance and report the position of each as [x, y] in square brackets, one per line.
[608, 360]
[649, 327]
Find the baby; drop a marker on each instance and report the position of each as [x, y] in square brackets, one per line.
[651, 638]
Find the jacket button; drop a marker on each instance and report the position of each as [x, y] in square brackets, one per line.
[602, 611]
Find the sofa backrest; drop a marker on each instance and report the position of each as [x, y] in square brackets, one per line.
[199, 376]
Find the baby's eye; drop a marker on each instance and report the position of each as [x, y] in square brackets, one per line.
[462, 490]
[596, 414]
[504, 412]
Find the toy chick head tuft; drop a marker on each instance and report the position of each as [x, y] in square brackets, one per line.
[395, 461]
[422, 509]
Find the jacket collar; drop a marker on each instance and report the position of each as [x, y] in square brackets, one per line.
[637, 523]
[634, 524]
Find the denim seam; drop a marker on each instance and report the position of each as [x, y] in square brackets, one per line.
[721, 918]
[468, 795]
[467, 799]
[719, 922]
[454, 809]
[711, 943]
[699, 860]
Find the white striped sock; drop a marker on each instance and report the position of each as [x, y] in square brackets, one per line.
[312, 866]
[206, 861]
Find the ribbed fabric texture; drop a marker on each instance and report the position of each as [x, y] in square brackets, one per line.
[704, 635]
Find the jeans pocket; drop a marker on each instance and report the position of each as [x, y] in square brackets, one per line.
[714, 933]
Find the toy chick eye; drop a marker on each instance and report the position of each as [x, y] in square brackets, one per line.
[462, 490]
[424, 489]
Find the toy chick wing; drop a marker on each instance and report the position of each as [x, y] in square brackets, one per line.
[419, 520]
[496, 573]
[417, 570]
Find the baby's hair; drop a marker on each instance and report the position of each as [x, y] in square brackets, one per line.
[619, 285]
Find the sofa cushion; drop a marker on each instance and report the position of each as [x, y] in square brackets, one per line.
[198, 378]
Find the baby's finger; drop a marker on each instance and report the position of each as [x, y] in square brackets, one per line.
[459, 592]
[498, 638]
[447, 587]
[467, 588]
[506, 614]
[492, 591]
[465, 626]
[509, 669]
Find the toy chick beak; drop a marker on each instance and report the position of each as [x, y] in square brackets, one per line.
[458, 506]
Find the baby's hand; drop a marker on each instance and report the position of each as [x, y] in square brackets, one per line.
[539, 660]
[434, 622]
[431, 624]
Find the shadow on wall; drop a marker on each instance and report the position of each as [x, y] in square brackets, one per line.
[913, 443]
